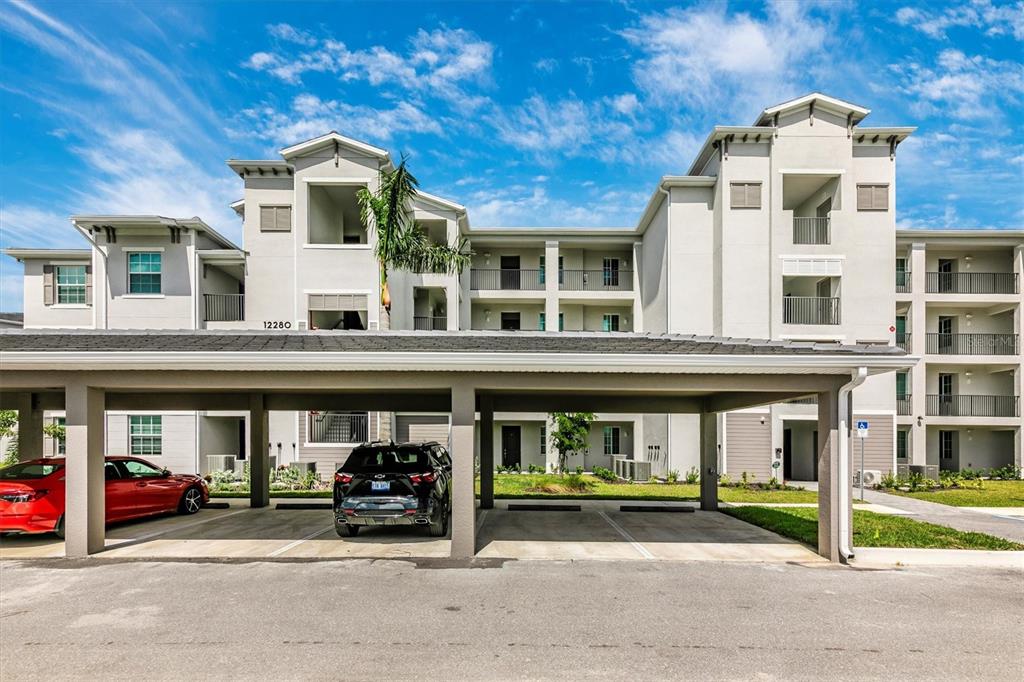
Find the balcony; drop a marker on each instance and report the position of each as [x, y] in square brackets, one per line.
[903, 282]
[903, 341]
[973, 406]
[506, 280]
[223, 307]
[430, 324]
[338, 427]
[595, 280]
[810, 310]
[971, 283]
[972, 344]
[812, 230]
[904, 405]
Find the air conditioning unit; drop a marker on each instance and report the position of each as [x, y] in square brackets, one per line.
[304, 467]
[872, 477]
[220, 463]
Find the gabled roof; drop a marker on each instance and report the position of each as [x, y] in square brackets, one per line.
[832, 104]
[719, 133]
[48, 254]
[439, 202]
[330, 139]
[260, 167]
[238, 207]
[152, 221]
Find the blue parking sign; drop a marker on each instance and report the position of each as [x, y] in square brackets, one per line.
[862, 424]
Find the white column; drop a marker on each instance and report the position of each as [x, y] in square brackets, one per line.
[259, 454]
[84, 512]
[551, 458]
[829, 433]
[638, 304]
[709, 461]
[452, 302]
[551, 306]
[918, 346]
[463, 523]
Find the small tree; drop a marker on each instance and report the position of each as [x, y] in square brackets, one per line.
[571, 434]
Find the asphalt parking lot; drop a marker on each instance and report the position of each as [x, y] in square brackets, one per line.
[545, 620]
[598, 531]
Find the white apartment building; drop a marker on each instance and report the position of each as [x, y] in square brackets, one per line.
[782, 230]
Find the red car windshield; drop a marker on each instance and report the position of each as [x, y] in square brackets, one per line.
[29, 470]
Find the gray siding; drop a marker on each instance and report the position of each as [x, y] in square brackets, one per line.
[748, 445]
[879, 446]
[421, 427]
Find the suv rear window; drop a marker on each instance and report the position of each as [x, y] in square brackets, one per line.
[387, 459]
[29, 470]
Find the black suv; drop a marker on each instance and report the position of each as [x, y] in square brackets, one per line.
[388, 484]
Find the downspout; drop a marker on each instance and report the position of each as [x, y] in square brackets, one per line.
[106, 274]
[668, 304]
[857, 378]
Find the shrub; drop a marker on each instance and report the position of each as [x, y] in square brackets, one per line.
[724, 479]
[605, 474]
[746, 479]
[579, 471]
[692, 475]
[672, 476]
[535, 469]
[888, 482]
[571, 484]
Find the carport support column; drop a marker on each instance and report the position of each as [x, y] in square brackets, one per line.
[30, 428]
[84, 513]
[259, 453]
[828, 475]
[708, 461]
[463, 495]
[486, 452]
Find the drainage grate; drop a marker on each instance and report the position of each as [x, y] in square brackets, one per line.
[653, 508]
[544, 507]
[303, 505]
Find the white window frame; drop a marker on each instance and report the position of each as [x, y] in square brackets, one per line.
[58, 287]
[128, 272]
[157, 435]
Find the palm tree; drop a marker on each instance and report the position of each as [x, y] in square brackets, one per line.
[403, 244]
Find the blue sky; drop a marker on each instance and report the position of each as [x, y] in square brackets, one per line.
[529, 113]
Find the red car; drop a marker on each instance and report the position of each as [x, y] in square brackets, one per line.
[32, 493]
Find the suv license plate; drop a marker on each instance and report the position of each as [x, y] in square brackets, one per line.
[380, 485]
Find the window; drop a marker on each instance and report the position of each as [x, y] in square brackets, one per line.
[561, 322]
[745, 195]
[510, 321]
[338, 427]
[144, 269]
[544, 439]
[610, 272]
[872, 197]
[946, 445]
[901, 385]
[611, 440]
[136, 469]
[60, 445]
[145, 435]
[275, 218]
[610, 323]
[901, 444]
[541, 321]
[71, 284]
[543, 270]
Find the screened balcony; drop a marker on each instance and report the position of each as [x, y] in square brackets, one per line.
[810, 310]
[506, 279]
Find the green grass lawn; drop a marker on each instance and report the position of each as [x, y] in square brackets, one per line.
[993, 494]
[869, 529]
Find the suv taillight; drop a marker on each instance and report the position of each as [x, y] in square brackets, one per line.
[340, 477]
[428, 477]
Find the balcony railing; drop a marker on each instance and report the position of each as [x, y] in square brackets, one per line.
[903, 341]
[971, 282]
[903, 282]
[429, 324]
[904, 407]
[338, 427]
[595, 280]
[506, 280]
[810, 310]
[972, 344]
[223, 307]
[812, 231]
[973, 406]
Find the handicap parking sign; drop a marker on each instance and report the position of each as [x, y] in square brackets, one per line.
[862, 428]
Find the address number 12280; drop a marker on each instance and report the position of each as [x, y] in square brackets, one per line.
[277, 324]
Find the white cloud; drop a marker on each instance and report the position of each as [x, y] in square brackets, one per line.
[966, 87]
[991, 19]
[516, 206]
[546, 65]
[704, 56]
[291, 34]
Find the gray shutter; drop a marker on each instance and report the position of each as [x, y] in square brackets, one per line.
[88, 285]
[881, 198]
[754, 195]
[737, 195]
[48, 288]
[267, 218]
[864, 197]
[284, 218]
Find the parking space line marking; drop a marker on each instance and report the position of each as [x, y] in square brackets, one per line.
[629, 538]
[150, 536]
[291, 545]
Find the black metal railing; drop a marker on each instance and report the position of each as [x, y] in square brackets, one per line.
[904, 406]
[812, 230]
[429, 324]
[972, 344]
[971, 282]
[338, 427]
[903, 282]
[595, 280]
[223, 307]
[506, 279]
[973, 406]
[903, 341]
[810, 310]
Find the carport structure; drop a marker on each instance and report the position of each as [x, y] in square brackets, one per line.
[86, 373]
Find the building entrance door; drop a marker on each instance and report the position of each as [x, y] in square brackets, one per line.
[511, 445]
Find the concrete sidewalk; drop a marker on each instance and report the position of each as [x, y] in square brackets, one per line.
[959, 518]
